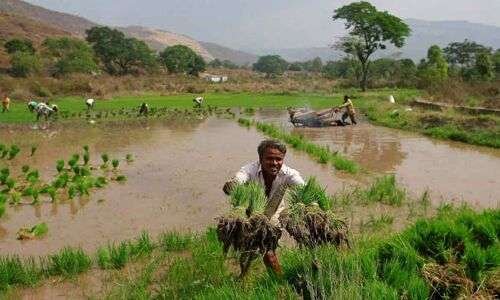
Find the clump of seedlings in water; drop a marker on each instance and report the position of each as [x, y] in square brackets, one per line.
[13, 152]
[246, 229]
[105, 160]
[309, 219]
[33, 150]
[37, 231]
[115, 163]
[129, 158]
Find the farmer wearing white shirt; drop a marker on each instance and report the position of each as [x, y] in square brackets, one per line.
[275, 177]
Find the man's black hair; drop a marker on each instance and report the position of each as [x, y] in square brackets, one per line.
[273, 144]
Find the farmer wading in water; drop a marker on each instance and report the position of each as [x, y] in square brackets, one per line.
[275, 177]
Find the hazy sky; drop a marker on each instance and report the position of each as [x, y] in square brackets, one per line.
[253, 24]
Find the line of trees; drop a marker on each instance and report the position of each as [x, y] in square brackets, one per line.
[104, 50]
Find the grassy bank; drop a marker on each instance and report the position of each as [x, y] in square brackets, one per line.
[450, 255]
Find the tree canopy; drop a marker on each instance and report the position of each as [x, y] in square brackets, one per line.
[19, 45]
[119, 54]
[182, 59]
[70, 55]
[369, 30]
[271, 65]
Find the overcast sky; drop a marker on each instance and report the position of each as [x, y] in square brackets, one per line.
[253, 24]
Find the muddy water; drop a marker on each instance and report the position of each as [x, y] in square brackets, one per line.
[173, 184]
[451, 171]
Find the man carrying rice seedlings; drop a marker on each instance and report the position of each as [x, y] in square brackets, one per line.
[5, 103]
[274, 177]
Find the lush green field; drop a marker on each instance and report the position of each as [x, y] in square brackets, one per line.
[20, 114]
[448, 125]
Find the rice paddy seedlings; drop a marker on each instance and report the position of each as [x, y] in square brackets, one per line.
[377, 223]
[143, 245]
[113, 257]
[33, 150]
[173, 241]
[73, 161]
[10, 183]
[68, 262]
[115, 163]
[129, 158]
[309, 219]
[37, 231]
[4, 175]
[386, 191]
[72, 190]
[100, 182]
[60, 166]
[15, 271]
[33, 177]
[15, 198]
[251, 234]
[25, 169]
[3, 201]
[105, 160]
[121, 178]
[4, 153]
[86, 158]
[13, 151]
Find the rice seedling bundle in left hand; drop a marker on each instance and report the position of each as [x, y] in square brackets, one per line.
[309, 219]
[246, 229]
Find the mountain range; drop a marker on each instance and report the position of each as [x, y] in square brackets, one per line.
[21, 19]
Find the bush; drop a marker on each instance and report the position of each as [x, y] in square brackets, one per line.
[24, 64]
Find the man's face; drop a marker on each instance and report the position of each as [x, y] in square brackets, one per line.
[271, 161]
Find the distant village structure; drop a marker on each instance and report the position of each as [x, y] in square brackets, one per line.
[215, 78]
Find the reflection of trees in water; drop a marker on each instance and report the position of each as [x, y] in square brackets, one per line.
[373, 148]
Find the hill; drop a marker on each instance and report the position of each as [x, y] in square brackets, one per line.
[14, 26]
[160, 39]
[424, 34]
[236, 56]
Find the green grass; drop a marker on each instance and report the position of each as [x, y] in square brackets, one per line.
[173, 241]
[68, 262]
[385, 190]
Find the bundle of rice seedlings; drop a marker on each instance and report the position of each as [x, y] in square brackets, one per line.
[246, 229]
[60, 166]
[38, 230]
[33, 150]
[4, 175]
[309, 219]
[115, 163]
[448, 281]
[13, 152]
[105, 160]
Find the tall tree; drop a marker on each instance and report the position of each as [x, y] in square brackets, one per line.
[271, 65]
[182, 59]
[434, 70]
[464, 53]
[119, 54]
[369, 30]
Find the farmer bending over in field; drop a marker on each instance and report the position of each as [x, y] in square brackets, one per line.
[5, 103]
[144, 109]
[275, 177]
[32, 105]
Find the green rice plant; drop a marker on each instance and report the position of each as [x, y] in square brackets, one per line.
[15, 271]
[105, 159]
[25, 169]
[3, 200]
[4, 175]
[250, 196]
[377, 223]
[60, 166]
[310, 193]
[121, 178]
[2, 148]
[15, 198]
[33, 177]
[245, 122]
[68, 262]
[86, 148]
[100, 182]
[385, 190]
[114, 257]
[475, 260]
[143, 245]
[4, 153]
[173, 241]
[10, 183]
[13, 151]
[129, 158]
[39, 230]
[33, 192]
[72, 190]
[115, 163]
[33, 150]
[86, 158]
[73, 161]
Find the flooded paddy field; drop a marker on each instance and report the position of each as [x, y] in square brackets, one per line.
[174, 183]
[450, 171]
